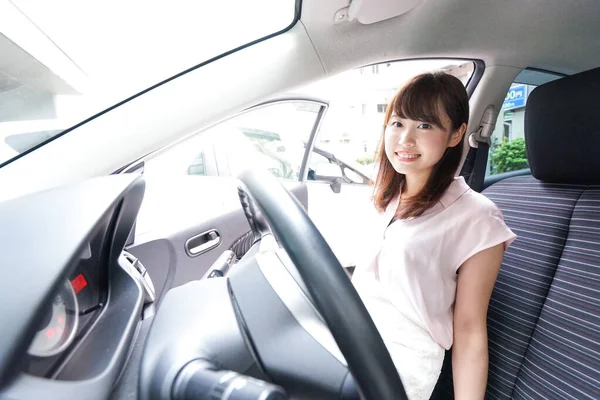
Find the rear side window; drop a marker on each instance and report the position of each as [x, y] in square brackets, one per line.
[507, 150]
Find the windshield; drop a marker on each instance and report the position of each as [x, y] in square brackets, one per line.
[63, 61]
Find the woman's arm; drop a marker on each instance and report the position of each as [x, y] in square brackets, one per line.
[476, 278]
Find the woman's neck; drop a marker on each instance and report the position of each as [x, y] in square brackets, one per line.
[413, 184]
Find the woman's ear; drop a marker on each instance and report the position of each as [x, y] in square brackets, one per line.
[457, 135]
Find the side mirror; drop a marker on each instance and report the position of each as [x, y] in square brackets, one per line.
[330, 173]
[336, 185]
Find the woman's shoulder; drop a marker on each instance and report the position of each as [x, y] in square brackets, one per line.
[472, 196]
[481, 201]
[471, 202]
[481, 225]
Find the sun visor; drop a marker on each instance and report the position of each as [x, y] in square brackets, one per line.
[372, 11]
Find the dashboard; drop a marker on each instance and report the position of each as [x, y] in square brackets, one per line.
[68, 315]
[79, 319]
[72, 300]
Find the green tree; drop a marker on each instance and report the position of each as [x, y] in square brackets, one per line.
[509, 156]
[365, 160]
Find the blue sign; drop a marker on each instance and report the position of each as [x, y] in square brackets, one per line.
[515, 98]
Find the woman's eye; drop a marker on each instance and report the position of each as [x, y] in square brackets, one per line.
[396, 124]
[425, 126]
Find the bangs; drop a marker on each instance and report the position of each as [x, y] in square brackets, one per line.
[420, 100]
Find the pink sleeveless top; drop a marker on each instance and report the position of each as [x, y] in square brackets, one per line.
[412, 274]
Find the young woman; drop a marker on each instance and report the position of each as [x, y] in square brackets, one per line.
[429, 285]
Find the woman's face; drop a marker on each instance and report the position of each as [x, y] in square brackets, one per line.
[415, 147]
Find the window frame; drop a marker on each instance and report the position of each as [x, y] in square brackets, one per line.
[478, 70]
[221, 159]
[522, 78]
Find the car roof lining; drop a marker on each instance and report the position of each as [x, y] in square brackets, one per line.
[529, 34]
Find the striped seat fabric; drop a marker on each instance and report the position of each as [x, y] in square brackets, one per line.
[544, 313]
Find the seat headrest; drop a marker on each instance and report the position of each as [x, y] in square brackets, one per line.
[562, 129]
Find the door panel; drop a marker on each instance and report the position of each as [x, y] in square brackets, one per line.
[174, 211]
[189, 216]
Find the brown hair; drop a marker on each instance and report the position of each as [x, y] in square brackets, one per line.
[420, 100]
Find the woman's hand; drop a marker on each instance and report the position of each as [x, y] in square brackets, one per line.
[476, 278]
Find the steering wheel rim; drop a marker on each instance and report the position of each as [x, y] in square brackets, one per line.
[333, 294]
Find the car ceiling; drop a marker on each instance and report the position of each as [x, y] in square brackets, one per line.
[554, 35]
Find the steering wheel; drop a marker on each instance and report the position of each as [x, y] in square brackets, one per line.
[332, 292]
[282, 320]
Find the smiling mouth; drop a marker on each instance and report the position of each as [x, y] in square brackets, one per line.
[407, 156]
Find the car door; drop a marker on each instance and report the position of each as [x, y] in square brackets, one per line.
[191, 211]
[314, 175]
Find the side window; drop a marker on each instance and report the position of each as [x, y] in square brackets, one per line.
[197, 166]
[276, 135]
[272, 137]
[358, 99]
[190, 157]
[315, 160]
[507, 150]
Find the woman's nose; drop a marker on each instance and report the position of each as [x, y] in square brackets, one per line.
[406, 138]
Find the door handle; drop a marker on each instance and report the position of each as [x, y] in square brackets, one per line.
[202, 243]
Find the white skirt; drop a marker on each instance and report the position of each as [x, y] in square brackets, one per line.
[417, 357]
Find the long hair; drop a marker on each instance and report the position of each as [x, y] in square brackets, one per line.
[419, 100]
